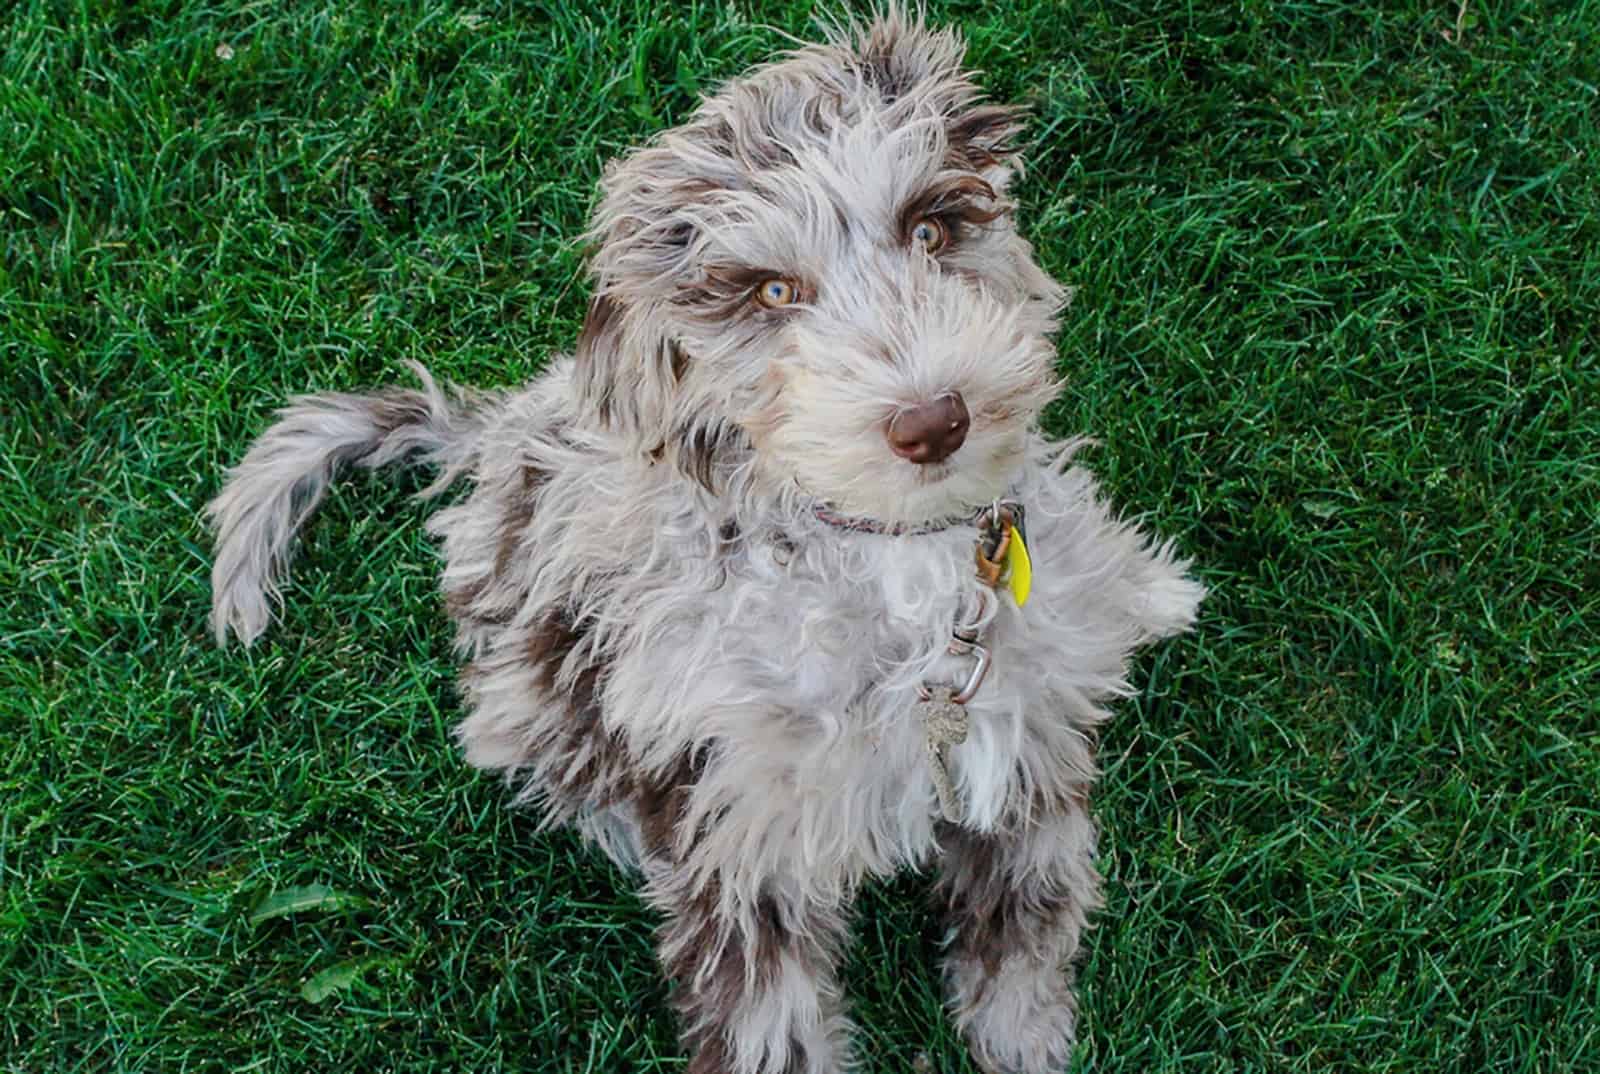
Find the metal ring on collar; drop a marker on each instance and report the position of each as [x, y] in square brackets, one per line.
[980, 671]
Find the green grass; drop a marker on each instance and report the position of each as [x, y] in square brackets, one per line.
[1338, 273]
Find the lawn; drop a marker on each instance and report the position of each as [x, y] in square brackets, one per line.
[1338, 299]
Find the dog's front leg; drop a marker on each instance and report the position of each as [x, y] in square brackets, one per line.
[1017, 902]
[755, 985]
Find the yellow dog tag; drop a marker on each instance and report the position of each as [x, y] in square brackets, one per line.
[1019, 568]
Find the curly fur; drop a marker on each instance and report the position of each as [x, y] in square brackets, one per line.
[667, 648]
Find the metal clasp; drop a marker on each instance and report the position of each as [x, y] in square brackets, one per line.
[980, 670]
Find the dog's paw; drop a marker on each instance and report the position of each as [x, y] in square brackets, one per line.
[1164, 600]
[1021, 1020]
[1170, 604]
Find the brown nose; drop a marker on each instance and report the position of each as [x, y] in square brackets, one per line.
[931, 432]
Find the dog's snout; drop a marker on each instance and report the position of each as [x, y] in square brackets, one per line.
[931, 432]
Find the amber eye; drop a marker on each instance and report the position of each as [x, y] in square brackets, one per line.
[776, 292]
[930, 234]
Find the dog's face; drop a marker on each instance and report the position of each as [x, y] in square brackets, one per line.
[823, 260]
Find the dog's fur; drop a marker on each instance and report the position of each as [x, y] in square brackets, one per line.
[670, 650]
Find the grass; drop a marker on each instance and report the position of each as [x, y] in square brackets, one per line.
[1338, 271]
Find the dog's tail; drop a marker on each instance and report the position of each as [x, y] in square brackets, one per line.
[280, 481]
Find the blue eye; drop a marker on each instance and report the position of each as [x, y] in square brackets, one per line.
[776, 292]
[930, 234]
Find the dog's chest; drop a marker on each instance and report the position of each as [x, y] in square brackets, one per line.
[793, 672]
[839, 652]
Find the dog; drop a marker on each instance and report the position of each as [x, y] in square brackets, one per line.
[773, 586]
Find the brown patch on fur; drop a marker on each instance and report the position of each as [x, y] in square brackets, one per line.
[716, 968]
[519, 513]
[1073, 800]
[395, 409]
[992, 912]
[463, 602]
[593, 767]
[975, 888]
[982, 137]
[700, 447]
[660, 802]
[678, 361]
[548, 647]
[714, 134]
[754, 146]
[601, 364]
[597, 335]
[459, 602]
[822, 111]
[883, 65]
[584, 764]
[598, 321]
[758, 149]
[697, 188]
[709, 1054]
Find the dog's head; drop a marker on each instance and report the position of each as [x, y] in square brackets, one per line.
[822, 263]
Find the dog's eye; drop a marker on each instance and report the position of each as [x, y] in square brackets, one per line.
[776, 292]
[930, 234]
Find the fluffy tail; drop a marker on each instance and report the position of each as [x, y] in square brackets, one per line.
[280, 481]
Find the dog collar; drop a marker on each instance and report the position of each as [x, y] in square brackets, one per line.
[865, 524]
[997, 553]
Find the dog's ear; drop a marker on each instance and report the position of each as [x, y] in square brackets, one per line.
[628, 372]
[902, 58]
[630, 380]
[643, 234]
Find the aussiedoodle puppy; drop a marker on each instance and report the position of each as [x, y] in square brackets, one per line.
[773, 586]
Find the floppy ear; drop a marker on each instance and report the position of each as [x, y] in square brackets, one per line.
[628, 373]
[631, 379]
[644, 234]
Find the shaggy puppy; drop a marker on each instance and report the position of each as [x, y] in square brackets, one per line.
[741, 584]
